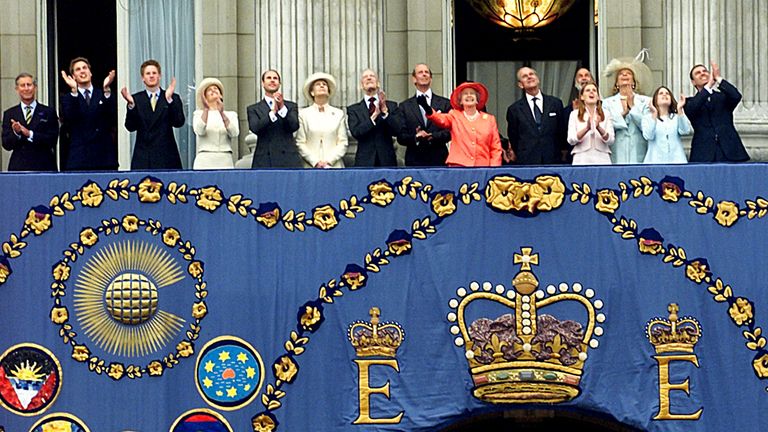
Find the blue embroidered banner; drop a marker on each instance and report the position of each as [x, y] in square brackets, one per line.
[401, 300]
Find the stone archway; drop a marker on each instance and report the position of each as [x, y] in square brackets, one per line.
[541, 419]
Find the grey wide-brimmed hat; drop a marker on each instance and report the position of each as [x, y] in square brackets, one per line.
[317, 76]
[200, 90]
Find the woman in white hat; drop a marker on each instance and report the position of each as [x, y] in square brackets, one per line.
[627, 106]
[322, 135]
[216, 130]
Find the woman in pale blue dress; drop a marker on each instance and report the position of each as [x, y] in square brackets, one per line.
[627, 108]
[663, 126]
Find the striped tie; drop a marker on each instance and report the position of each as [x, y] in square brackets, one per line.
[28, 114]
[153, 101]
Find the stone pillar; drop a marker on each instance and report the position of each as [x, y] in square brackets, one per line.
[732, 34]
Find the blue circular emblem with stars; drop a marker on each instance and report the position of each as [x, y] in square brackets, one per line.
[229, 373]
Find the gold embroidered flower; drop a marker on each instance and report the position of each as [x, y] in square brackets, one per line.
[670, 192]
[209, 198]
[91, 195]
[185, 349]
[155, 368]
[88, 237]
[506, 194]
[761, 366]
[130, 223]
[650, 247]
[354, 280]
[263, 423]
[5, 271]
[381, 193]
[199, 310]
[727, 213]
[324, 217]
[80, 353]
[741, 311]
[285, 369]
[697, 271]
[61, 272]
[59, 315]
[310, 317]
[269, 218]
[606, 201]
[552, 192]
[399, 247]
[443, 204]
[38, 221]
[116, 371]
[149, 190]
[195, 269]
[171, 237]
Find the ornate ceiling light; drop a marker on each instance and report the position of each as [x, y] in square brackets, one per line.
[521, 14]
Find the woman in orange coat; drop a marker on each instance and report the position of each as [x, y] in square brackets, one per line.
[474, 134]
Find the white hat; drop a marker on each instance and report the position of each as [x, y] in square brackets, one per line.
[203, 86]
[317, 76]
[643, 75]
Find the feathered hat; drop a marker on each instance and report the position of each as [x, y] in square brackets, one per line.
[642, 72]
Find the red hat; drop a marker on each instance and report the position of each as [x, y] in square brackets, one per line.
[479, 88]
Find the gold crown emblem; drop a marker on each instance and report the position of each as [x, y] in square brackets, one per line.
[375, 338]
[674, 334]
[524, 356]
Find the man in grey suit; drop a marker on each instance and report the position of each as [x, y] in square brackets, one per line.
[535, 124]
[274, 120]
[372, 124]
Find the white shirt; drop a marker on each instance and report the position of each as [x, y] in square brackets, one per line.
[539, 102]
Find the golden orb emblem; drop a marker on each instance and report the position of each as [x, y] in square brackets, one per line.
[131, 298]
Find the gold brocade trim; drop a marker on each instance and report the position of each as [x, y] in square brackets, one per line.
[519, 365]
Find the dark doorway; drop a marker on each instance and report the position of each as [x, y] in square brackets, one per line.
[540, 420]
[83, 28]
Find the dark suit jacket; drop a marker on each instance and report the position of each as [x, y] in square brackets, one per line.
[425, 153]
[92, 146]
[712, 118]
[276, 147]
[374, 142]
[534, 146]
[38, 155]
[155, 144]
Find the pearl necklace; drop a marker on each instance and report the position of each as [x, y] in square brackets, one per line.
[471, 117]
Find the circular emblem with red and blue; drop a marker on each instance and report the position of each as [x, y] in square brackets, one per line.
[229, 373]
[201, 420]
[30, 379]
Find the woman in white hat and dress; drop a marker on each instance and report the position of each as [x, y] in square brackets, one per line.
[322, 135]
[216, 130]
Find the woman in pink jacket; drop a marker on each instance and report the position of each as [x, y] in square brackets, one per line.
[474, 134]
[590, 130]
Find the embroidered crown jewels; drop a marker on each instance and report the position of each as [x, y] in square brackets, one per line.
[375, 338]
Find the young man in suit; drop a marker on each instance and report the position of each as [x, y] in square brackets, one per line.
[372, 124]
[710, 111]
[535, 124]
[152, 114]
[425, 142]
[30, 130]
[274, 120]
[89, 114]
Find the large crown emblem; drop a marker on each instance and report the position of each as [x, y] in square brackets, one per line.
[521, 355]
[375, 338]
[675, 334]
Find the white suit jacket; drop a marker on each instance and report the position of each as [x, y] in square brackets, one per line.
[322, 136]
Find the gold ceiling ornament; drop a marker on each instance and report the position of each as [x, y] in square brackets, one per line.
[521, 14]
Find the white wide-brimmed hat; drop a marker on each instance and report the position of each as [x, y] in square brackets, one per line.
[204, 84]
[317, 76]
[643, 74]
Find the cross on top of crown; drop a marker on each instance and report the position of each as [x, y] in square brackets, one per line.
[526, 259]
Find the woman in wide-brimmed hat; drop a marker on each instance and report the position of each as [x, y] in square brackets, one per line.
[216, 130]
[474, 134]
[322, 135]
[631, 80]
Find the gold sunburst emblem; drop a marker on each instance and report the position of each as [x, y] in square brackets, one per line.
[116, 298]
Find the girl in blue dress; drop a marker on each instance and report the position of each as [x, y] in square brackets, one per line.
[663, 126]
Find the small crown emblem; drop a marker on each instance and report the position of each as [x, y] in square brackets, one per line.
[523, 356]
[375, 338]
[674, 334]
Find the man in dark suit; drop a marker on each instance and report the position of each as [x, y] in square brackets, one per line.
[152, 114]
[274, 120]
[30, 130]
[425, 142]
[89, 113]
[535, 124]
[710, 111]
[372, 124]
